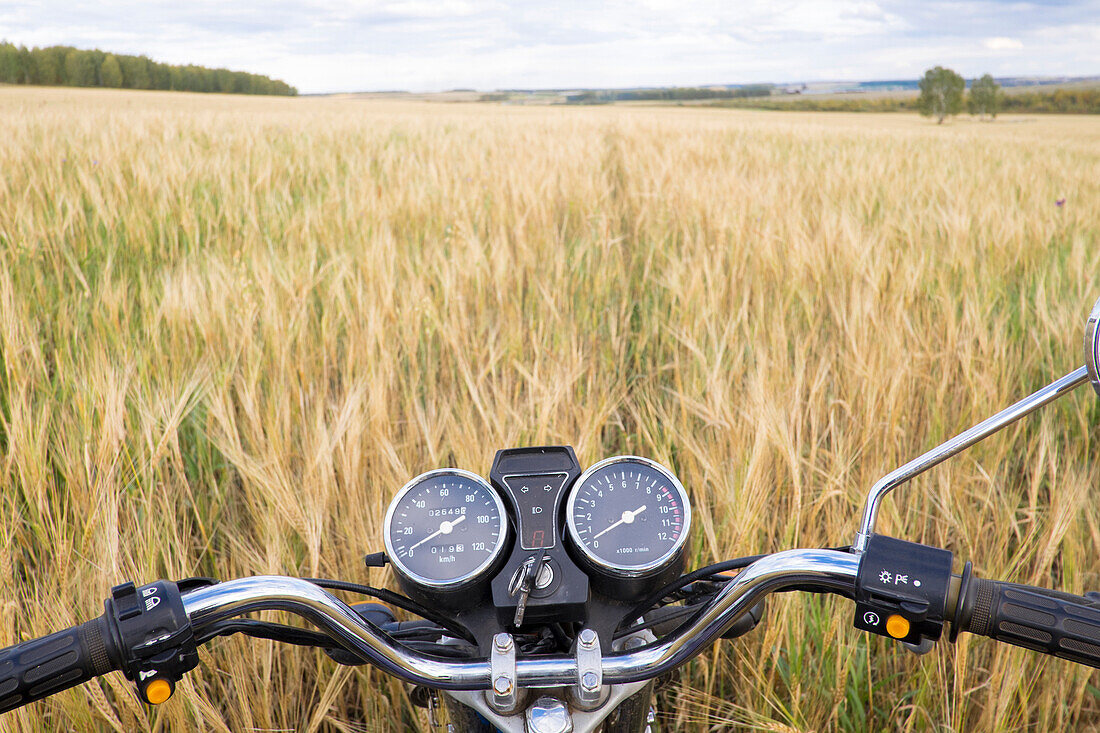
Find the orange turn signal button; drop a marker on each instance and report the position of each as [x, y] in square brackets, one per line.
[897, 626]
[158, 691]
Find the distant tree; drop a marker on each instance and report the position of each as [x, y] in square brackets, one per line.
[70, 66]
[11, 64]
[135, 72]
[985, 97]
[161, 75]
[223, 81]
[941, 93]
[49, 64]
[110, 73]
[79, 69]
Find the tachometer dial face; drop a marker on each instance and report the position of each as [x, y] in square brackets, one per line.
[445, 529]
[628, 515]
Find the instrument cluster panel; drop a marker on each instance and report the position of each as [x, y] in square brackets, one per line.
[541, 540]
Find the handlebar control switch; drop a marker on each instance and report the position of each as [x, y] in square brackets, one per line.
[153, 636]
[902, 589]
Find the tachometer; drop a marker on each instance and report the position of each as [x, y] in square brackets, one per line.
[628, 519]
[444, 532]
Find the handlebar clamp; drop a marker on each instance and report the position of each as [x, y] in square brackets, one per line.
[902, 590]
[153, 637]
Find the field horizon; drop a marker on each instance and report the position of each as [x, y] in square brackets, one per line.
[232, 328]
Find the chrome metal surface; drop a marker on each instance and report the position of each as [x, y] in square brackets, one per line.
[1092, 347]
[959, 443]
[588, 692]
[544, 578]
[826, 569]
[467, 578]
[628, 571]
[504, 697]
[549, 715]
[583, 721]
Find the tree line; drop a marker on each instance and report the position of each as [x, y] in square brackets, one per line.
[668, 94]
[946, 94]
[941, 94]
[73, 67]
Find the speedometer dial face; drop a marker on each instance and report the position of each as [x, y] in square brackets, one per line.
[445, 529]
[628, 515]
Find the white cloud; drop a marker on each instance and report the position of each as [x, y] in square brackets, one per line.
[345, 45]
[1002, 43]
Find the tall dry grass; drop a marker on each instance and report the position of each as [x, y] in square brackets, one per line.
[231, 328]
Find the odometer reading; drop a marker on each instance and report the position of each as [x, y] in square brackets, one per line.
[628, 515]
[445, 528]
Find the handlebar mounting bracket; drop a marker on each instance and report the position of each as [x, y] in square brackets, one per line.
[902, 590]
[589, 692]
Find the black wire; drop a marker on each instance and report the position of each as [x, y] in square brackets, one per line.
[652, 599]
[430, 648]
[266, 630]
[704, 573]
[672, 615]
[562, 639]
[388, 596]
[307, 637]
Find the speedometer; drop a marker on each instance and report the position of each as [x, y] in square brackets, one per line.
[444, 532]
[628, 518]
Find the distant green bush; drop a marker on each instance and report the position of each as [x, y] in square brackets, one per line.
[67, 66]
[669, 94]
[825, 104]
[1072, 101]
[1060, 101]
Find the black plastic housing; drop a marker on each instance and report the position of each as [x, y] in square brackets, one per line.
[144, 632]
[152, 632]
[630, 589]
[905, 579]
[514, 469]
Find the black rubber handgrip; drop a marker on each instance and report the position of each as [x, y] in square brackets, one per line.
[1060, 624]
[40, 667]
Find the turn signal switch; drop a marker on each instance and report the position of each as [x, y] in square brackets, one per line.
[151, 635]
[902, 591]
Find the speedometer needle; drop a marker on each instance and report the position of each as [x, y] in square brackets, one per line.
[627, 518]
[445, 527]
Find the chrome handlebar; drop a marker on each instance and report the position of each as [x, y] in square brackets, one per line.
[824, 569]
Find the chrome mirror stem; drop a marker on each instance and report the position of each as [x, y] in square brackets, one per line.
[959, 443]
[1092, 347]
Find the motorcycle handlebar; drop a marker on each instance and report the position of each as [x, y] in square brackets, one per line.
[824, 569]
[1051, 622]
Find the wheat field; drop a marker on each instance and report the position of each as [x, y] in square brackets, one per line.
[232, 328]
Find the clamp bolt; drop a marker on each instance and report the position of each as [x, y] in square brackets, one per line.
[503, 642]
[502, 685]
[587, 638]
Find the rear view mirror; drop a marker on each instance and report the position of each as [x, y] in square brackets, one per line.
[1092, 347]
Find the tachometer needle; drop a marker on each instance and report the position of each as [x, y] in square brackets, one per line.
[445, 527]
[627, 518]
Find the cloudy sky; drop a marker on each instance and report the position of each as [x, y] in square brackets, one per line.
[429, 45]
